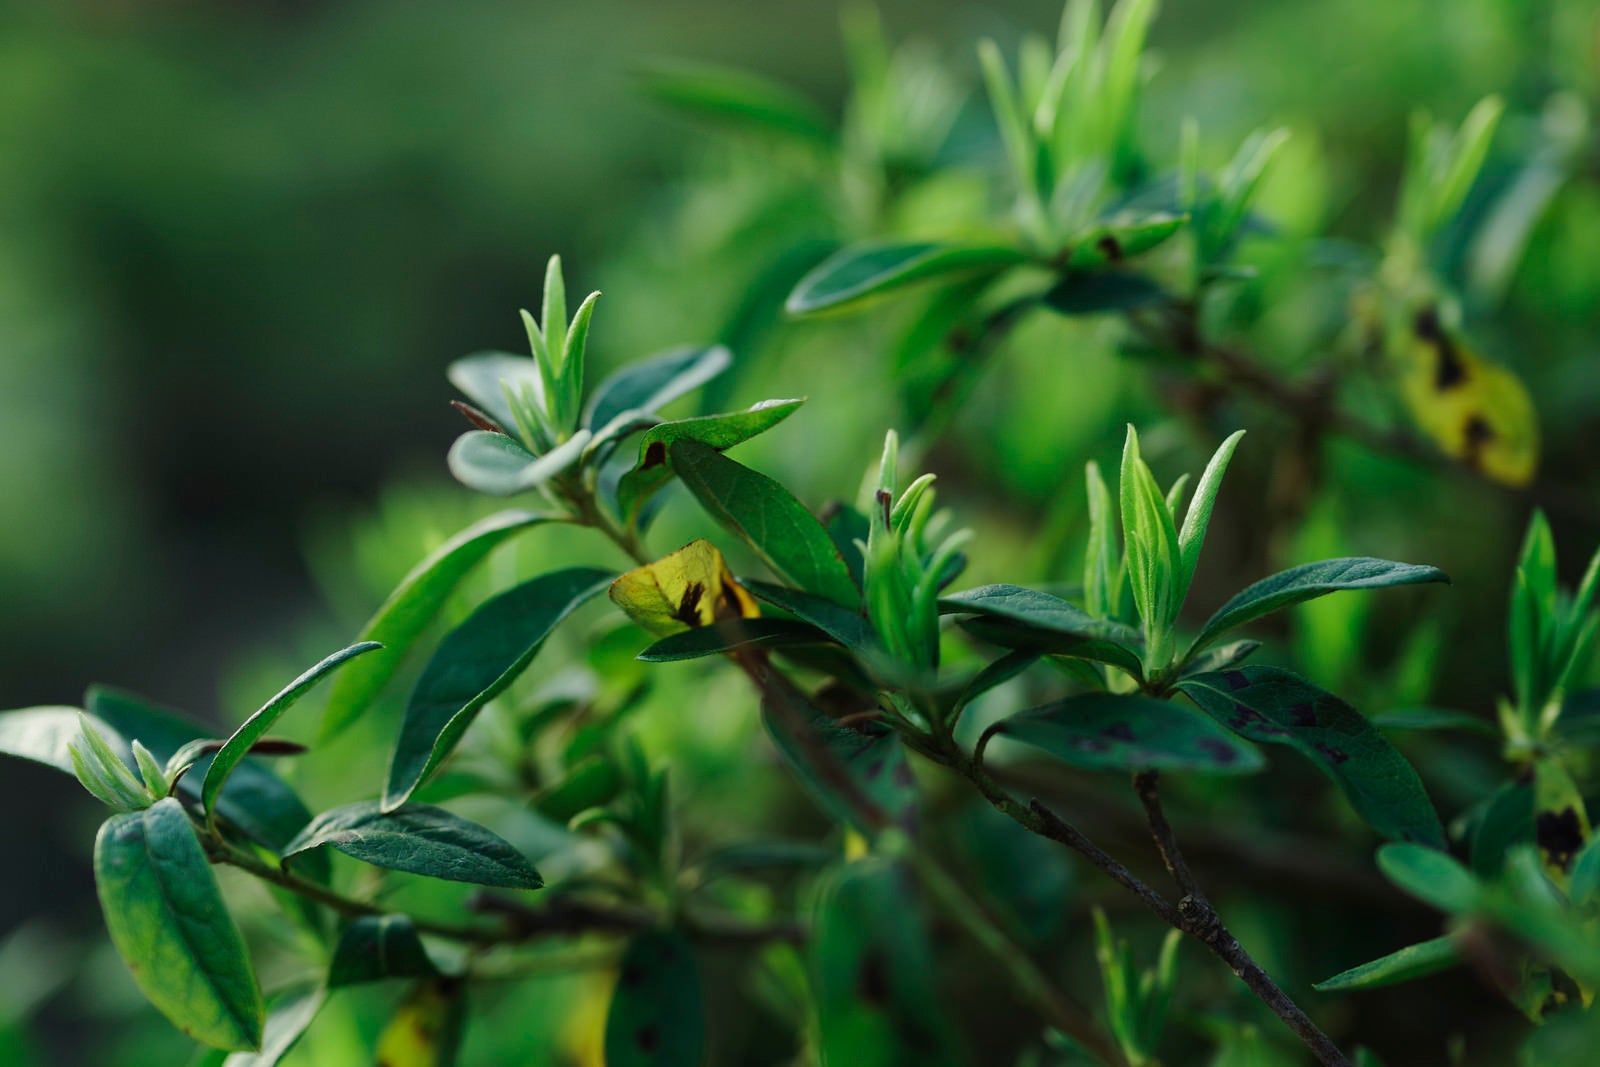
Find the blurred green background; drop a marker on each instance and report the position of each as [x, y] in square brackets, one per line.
[240, 241]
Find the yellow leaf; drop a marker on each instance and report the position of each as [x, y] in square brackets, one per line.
[426, 1029]
[1476, 411]
[1561, 823]
[688, 589]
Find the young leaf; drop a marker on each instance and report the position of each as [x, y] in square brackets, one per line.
[657, 1014]
[287, 1021]
[651, 384]
[495, 464]
[485, 378]
[1431, 876]
[721, 432]
[170, 925]
[740, 98]
[474, 663]
[43, 735]
[869, 754]
[1405, 965]
[419, 839]
[410, 608]
[732, 635]
[1307, 582]
[372, 948]
[1198, 518]
[686, 590]
[859, 272]
[768, 518]
[1274, 706]
[1102, 564]
[1150, 539]
[256, 726]
[1129, 732]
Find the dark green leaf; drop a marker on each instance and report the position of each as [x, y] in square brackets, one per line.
[480, 375]
[1274, 706]
[168, 921]
[419, 839]
[768, 518]
[867, 753]
[1307, 582]
[1041, 611]
[1431, 876]
[846, 526]
[741, 98]
[1129, 732]
[1103, 292]
[1585, 879]
[657, 1015]
[411, 607]
[730, 635]
[43, 734]
[652, 383]
[1012, 635]
[256, 726]
[474, 663]
[862, 271]
[255, 801]
[721, 432]
[995, 674]
[590, 783]
[287, 1022]
[1409, 963]
[500, 466]
[1507, 820]
[1425, 718]
[849, 628]
[374, 947]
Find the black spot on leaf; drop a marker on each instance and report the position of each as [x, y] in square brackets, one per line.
[1217, 749]
[648, 1038]
[688, 611]
[655, 455]
[1110, 247]
[1560, 836]
[1303, 714]
[1236, 680]
[872, 980]
[1335, 755]
[1119, 732]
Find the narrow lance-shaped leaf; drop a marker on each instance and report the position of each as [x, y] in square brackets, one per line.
[372, 948]
[411, 607]
[768, 518]
[1431, 876]
[1039, 610]
[42, 735]
[741, 98]
[1275, 706]
[474, 664]
[1404, 965]
[721, 432]
[651, 384]
[256, 726]
[1150, 539]
[168, 921]
[657, 1014]
[857, 273]
[1307, 582]
[1198, 518]
[1129, 732]
[419, 839]
[849, 628]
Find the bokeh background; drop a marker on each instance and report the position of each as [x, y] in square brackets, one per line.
[239, 242]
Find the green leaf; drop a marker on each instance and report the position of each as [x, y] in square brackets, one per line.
[1405, 965]
[1103, 292]
[1150, 538]
[1507, 821]
[419, 839]
[375, 947]
[721, 432]
[254, 800]
[859, 272]
[1431, 876]
[43, 734]
[740, 98]
[1274, 706]
[1129, 732]
[996, 674]
[287, 1022]
[730, 635]
[1113, 242]
[1222, 657]
[1307, 582]
[1103, 568]
[657, 1014]
[1192, 538]
[484, 378]
[414, 604]
[500, 466]
[869, 754]
[256, 726]
[849, 628]
[1426, 718]
[1584, 883]
[474, 663]
[1038, 611]
[768, 518]
[652, 383]
[168, 921]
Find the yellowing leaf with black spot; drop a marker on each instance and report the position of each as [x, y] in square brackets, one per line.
[426, 1030]
[1561, 822]
[1476, 411]
[684, 591]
